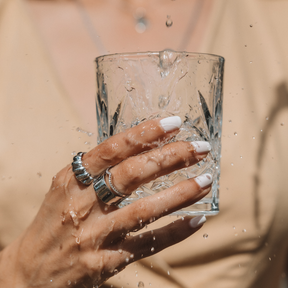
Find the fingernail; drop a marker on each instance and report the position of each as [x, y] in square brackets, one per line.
[197, 221]
[171, 123]
[201, 146]
[204, 180]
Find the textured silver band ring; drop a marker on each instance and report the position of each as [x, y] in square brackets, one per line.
[104, 193]
[80, 172]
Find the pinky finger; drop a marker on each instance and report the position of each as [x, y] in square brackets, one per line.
[152, 242]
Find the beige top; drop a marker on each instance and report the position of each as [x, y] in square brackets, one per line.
[247, 242]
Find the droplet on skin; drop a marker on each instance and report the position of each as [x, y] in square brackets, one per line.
[232, 164]
[120, 251]
[127, 260]
[69, 282]
[39, 174]
[115, 271]
[235, 133]
[241, 156]
[152, 249]
[253, 137]
[168, 272]
[205, 236]
[140, 284]
[169, 22]
[230, 121]
[282, 124]
[244, 230]
[267, 118]
[251, 25]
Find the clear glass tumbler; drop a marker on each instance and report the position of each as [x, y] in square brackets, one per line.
[135, 87]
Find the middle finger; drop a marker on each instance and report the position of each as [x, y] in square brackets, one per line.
[134, 171]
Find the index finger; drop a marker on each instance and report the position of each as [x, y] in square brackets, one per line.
[135, 140]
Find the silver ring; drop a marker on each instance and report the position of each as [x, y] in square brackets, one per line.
[111, 184]
[80, 172]
[104, 193]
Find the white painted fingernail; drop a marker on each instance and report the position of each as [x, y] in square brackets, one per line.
[201, 146]
[197, 221]
[204, 180]
[171, 123]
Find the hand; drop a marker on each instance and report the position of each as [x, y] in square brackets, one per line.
[77, 239]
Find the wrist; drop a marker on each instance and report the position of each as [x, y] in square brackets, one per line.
[10, 272]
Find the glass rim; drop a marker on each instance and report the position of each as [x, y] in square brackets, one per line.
[147, 53]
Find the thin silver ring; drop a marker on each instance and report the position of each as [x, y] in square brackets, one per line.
[79, 170]
[111, 184]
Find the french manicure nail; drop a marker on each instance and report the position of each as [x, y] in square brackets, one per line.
[197, 221]
[201, 146]
[204, 180]
[171, 123]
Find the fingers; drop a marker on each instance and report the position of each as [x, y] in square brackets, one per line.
[131, 173]
[142, 137]
[151, 242]
[145, 210]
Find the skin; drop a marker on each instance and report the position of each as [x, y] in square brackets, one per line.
[76, 240]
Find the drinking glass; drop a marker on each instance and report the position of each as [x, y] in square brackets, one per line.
[135, 87]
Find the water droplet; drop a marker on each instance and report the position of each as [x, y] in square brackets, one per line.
[251, 25]
[140, 284]
[39, 174]
[230, 121]
[140, 236]
[282, 124]
[169, 21]
[120, 251]
[236, 234]
[234, 227]
[235, 133]
[241, 156]
[51, 280]
[115, 271]
[205, 236]
[154, 238]
[232, 164]
[168, 272]
[251, 62]
[253, 137]
[269, 258]
[69, 282]
[152, 249]
[127, 260]
[267, 118]
[244, 230]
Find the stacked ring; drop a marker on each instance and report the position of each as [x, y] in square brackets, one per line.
[113, 197]
[80, 172]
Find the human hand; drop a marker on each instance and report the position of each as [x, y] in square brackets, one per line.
[77, 240]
